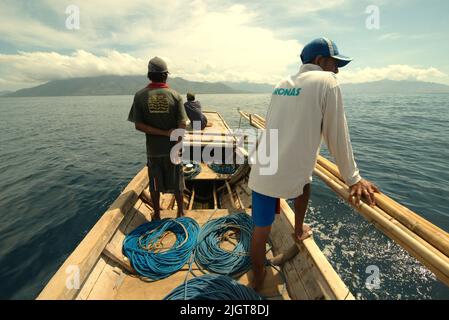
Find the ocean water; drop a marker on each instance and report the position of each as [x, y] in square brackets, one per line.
[63, 161]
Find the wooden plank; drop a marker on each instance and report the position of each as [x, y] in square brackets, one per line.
[245, 198]
[141, 214]
[192, 199]
[214, 191]
[231, 197]
[119, 259]
[135, 288]
[87, 253]
[208, 174]
[304, 266]
[92, 279]
[108, 283]
[239, 201]
[331, 282]
[295, 286]
[133, 219]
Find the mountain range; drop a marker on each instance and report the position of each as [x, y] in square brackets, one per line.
[394, 86]
[128, 85]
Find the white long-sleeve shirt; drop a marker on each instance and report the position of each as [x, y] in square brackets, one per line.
[305, 108]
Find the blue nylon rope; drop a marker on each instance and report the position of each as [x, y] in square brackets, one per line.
[140, 245]
[212, 287]
[223, 168]
[194, 172]
[210, 256]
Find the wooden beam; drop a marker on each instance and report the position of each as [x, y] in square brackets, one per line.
[125, 264]
[215, 195]
[239, 200]
[231, 196]
[192, 199]
[330, 281]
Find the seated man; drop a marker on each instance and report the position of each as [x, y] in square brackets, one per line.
[193, 110]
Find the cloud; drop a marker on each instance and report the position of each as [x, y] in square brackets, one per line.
[396, 36]
[201, 40]
[391, 72]
[38, 67]
[20, 29]
[213, 46]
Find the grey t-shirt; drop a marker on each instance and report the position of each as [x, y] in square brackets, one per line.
[160, 108]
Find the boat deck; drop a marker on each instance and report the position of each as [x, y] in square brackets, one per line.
[219, 134]
[208, 174]
[108, 280]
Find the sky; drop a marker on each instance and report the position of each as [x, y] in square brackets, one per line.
[254, 41]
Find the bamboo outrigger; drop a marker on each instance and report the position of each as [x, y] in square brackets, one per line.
[97, 269]
[423, 240]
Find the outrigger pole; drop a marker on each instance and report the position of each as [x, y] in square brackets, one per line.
[419, 237]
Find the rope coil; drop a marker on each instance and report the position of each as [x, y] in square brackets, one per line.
[212, 257]
[212, 287]
[191, 169]
[223, 168]
[147, 254]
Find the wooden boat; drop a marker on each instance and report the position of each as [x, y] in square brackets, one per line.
[97, 269]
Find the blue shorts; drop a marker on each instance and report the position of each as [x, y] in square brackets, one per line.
[263, 209]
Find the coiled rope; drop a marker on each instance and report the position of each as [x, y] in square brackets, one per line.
[212, 287]
[191, 172]
[222, 168]
[145, 249]
[212, 257]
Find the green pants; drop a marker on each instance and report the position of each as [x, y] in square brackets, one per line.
[165, 176]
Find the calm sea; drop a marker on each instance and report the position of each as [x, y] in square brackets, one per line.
[63, 161]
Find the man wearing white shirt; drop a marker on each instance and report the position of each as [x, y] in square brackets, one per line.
[304, 108]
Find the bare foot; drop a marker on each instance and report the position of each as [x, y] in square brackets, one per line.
[303, 233]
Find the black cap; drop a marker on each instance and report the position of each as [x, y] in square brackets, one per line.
[157, 65]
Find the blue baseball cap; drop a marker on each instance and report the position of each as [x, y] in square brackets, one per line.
[323, 47]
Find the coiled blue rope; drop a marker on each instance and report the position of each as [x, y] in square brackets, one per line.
[223, 168]
[193, 172]
[212, 287]
[141, 245]
[210, 256]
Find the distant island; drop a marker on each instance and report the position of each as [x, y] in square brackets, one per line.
[394, 86]
[128, 85]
